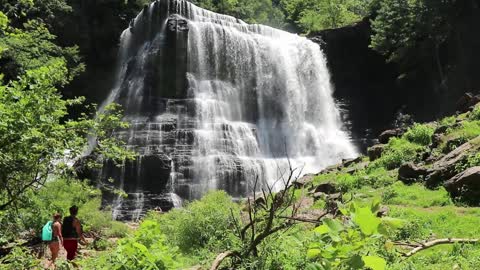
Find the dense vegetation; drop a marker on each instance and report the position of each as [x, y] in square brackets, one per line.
[298, 228]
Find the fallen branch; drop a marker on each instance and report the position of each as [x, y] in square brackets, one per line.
[422, 246]
[222, 256]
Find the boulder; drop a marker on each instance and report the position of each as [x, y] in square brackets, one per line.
[465, 185]
[440, 129]
[303, 181]
[436, 140]
[319, 196]
[409, 172]
[384, 210]
[467, 102]
[444, 168]
[351, 161]
[332, 168]
[327, 188]
[375, 151]
[357, 167]
[391, 133]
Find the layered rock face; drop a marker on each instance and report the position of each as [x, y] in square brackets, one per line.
[215, 103]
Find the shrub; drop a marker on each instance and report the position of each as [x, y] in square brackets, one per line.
[448, 121]
[471, 161]
[148, 248]
[420, 134]
[206, 223]
[377, 177]
[475, 114]
[397, 152]
[57, 196]
[19, 258]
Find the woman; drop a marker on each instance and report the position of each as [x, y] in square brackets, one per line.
[57, 238]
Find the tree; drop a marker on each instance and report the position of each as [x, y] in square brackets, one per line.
[32, 47]
[315, 15]
[37, 138]
[408, 30]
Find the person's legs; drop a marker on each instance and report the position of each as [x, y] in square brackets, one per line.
[71, 248]
[54, 248]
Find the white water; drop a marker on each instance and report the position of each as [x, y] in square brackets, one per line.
[262, 98]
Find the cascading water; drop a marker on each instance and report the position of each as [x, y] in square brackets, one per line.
[215, 103]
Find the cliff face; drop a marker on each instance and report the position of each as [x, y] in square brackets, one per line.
[373, 91]
[95, 26]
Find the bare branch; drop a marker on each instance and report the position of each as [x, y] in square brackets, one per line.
[426, 245]
[222, 256]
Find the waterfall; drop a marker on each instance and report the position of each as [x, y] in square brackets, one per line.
[215, 103]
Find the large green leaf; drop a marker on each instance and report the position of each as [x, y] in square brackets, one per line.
[374, 262]
[322, 229]
[313, 253]
[366, 220]
[333, 224]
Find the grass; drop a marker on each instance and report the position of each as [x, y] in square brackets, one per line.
[415, 195]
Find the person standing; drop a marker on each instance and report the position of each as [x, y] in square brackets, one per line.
[57, 238]
[72, 233]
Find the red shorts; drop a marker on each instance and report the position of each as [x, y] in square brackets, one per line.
[71, 247]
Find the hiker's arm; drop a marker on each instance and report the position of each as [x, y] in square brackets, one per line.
[78, 228]
[59, 232]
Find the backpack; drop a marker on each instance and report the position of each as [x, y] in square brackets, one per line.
[47, 232]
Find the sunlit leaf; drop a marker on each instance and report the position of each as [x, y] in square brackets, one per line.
[374, 262]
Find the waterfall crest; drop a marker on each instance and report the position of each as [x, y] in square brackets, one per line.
[215, 103]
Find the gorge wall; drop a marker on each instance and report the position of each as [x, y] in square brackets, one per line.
[374, 91]
[215, 103]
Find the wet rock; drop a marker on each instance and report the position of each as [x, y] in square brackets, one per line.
[409, 173]
[465, 185]
[391, 133]
[375, 151]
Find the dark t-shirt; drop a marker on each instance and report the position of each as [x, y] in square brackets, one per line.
[68, 230]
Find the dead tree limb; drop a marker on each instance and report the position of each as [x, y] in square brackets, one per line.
[222, 256]
[426, 245]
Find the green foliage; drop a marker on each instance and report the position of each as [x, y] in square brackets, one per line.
[420, 134]
[19, 258]
[34, 133]
[46, 11]
[146, 249]
[206, 223]
[475, 113]
[471, 161]
[403, 26]
[397, 152]
[311, 15]
[32, 47]
[415, 195]
[58, 196]
[252, 11]
[351, 244]
[459, 134]
[448, 121]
